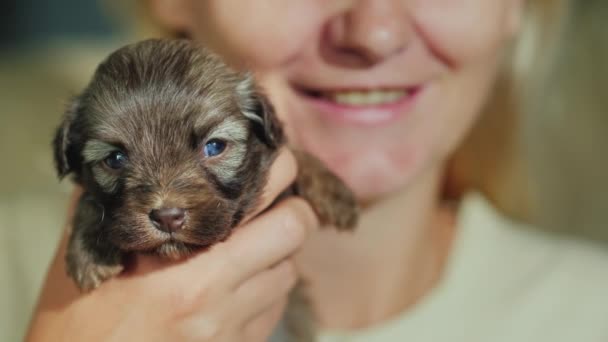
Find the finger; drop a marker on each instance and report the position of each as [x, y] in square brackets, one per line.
[265, 241]
[142, 263]
[264, 325]
[264, 289]
[281, 175]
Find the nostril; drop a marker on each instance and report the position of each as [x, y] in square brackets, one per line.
[168, 219]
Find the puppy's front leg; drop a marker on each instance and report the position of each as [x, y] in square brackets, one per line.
[90, 259]
[335, 205]
[331, 199]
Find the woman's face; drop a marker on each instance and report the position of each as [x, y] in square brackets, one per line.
[381, 90]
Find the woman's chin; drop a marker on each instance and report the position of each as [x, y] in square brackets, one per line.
[367, 196]
[372, 177]
[368, 192]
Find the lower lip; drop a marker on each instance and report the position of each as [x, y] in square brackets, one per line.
[372, 115]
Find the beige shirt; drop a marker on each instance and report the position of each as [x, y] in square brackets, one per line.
[506, 282]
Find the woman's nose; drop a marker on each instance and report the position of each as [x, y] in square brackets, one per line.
[369, 32]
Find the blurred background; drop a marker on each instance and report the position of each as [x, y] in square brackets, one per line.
[49, 48]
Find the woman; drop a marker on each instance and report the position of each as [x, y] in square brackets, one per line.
[385, 92]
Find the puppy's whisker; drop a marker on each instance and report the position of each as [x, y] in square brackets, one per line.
[103, 213]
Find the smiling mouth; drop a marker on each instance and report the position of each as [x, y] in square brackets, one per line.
[362, 98]
[374, 106]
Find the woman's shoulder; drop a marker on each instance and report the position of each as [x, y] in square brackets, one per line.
[519, 243]
[561, 295]
[522, 283]
[546, 271]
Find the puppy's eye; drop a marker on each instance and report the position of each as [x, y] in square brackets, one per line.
[116, 160]
[214, 147]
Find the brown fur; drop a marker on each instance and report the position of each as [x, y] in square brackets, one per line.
[159, 102]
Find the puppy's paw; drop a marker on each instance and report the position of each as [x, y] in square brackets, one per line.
[343, 211]
[334, 203]
[88, 276]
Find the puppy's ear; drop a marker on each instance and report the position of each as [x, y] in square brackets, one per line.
[63, 142]
[257, 108]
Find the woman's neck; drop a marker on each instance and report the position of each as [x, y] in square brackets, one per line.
[395, 257]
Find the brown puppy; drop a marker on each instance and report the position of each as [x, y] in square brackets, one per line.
[173, 148]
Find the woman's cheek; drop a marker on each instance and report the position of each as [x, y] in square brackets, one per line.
[259, 35]
[461, 31]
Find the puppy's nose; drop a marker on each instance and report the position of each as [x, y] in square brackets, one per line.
[168, 219]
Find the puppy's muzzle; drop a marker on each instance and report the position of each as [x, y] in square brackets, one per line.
[169, 220]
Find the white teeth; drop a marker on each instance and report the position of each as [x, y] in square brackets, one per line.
[365, 98]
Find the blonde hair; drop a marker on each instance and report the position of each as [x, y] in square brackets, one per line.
[567, 134]
[493, 158]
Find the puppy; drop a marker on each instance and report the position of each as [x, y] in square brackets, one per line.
[173, 149]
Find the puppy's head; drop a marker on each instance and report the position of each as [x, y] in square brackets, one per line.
[172, 145]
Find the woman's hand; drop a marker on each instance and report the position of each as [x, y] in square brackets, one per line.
[236, 291]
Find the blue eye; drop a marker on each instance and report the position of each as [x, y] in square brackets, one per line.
[116, 160]
[214, 147]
